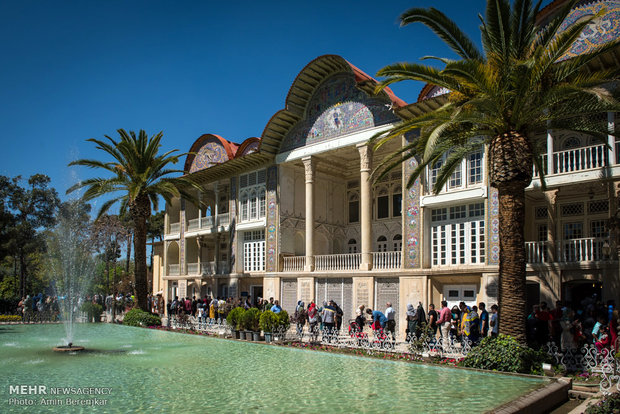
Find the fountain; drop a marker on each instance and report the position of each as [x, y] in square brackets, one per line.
[72, 264]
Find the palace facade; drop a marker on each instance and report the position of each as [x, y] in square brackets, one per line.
[293, 215]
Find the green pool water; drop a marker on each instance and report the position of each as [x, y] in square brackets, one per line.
[155, 371]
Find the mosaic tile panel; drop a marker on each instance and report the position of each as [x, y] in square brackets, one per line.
[272, 220]
[182, 239]
[598, 32]
[251, 148]
[493, 257]
[233, 224]
[412, 225]
[208, 155]
[337, 108]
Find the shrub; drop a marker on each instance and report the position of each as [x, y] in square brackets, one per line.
[137, 317]
[269, 321]
[251, 319]
[10, 318]
[93, 311]
[284, 322]
[235, 318]
[504, 353]
[609, 404]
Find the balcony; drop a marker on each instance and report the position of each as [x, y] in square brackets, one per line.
[174, 270]
[577, 159]
[208, 223]
[175, 228]
[207, 269]
[343, 262]
[588, 249]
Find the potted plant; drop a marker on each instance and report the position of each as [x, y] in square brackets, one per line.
[251, 321]
[282, 324]
[268, 323]
[234, 318]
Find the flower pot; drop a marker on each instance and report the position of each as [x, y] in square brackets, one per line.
[256, 336]
[268, 337]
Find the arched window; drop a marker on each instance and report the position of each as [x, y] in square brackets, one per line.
[354, 208]
[352, 244]
[382, 244]
[253, 205]
[397, 243]
[397, 202]
[261, 204]
[244, 206]
[571, 142]
[383, 203]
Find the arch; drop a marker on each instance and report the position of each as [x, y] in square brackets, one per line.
[208, 150]
[172, 253]
[248, 146]
[306, 85]
[571, 142]
[352, 246]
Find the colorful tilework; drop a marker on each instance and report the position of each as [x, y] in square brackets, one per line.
[209, 154]
[493, 217]
[412, 225]
[272, 219]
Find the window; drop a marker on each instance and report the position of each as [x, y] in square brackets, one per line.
[383, 204]
[254, 251]
[474, 167]
[456, 179]
[598, 206]
[458, 237]
[542, 232]
[352, 244]
[573, 230]
[434, 173]
[382, 244]
[252, 195]
[397, 243]
[541, 213]
[598, 229]
[574, 209]
[354, 208]
[397, 202]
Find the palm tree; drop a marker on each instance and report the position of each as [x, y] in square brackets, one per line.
[138, 176]
[504, 97]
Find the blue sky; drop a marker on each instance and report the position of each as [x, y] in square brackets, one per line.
[73, 70]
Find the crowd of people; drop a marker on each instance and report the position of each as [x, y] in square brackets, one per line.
[592, 322]
[42, 307]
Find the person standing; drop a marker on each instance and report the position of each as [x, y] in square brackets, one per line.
[276, 307]
[494, 321]
[444, 320]
[484, 320]
[390, 314]
[412, 322]
[432, 320]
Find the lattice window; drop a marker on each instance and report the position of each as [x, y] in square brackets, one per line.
[598, 229]
[458, 212]
[573, 209]
[439, 214]
[598, 206]
[261, 176]
[541, 213]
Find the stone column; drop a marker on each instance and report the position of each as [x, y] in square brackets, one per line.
[549, 152]
[365, 205]
[310, 169]
[199, 242]
[215, 207]
[553, 229]
[217, 254]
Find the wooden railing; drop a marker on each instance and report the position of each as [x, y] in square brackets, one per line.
[582, 250]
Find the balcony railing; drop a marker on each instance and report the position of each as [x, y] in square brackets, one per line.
[192, 268]
[582, 250]
[537, 252]
[175, 228]
[193, 224]
[223, 219]
[349, 261]
[577, 159]
[206, 222]
[174, 270]
[386, 260]
[294, 263]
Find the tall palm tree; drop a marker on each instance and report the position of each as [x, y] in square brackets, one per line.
[502, 97]
[138, 177]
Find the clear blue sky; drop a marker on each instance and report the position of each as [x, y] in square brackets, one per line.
[73, 70]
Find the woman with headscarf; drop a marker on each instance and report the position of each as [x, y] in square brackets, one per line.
[313, 320]
[300, 317]
[412, 321]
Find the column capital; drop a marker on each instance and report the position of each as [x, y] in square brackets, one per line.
[365, 157]
[309, 168]
[552, 196]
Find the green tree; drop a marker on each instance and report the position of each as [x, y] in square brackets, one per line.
[138, 177]
[504, 97]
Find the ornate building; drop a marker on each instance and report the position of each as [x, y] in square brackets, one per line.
[292, 214]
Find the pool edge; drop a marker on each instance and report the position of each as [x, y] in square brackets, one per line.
[540, 400]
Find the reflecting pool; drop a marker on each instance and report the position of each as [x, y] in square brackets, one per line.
[156, 371]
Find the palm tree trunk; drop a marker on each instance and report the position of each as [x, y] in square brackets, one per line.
[140, 213]
[512, 276]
